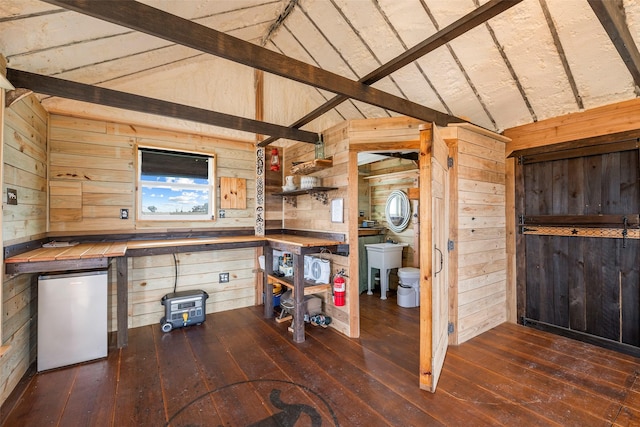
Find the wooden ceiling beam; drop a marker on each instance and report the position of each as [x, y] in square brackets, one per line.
[471, 20]
[97, 95]
[149, 20]
[612, 17]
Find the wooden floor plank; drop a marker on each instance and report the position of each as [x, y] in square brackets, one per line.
[264, 373]
[501, 364]
[516, 386]
[92, 399]
[302, 369]
[139, 394]
[44, 400]
[574, 370]
[402, 380]
[182, 384]
[240, 369]
[223, 376]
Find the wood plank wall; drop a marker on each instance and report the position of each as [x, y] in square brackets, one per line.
[24, 169]
[605, 120]
[93, 176]
[480, 244]
[154, 276]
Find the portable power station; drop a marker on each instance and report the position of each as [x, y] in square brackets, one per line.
[183, 308]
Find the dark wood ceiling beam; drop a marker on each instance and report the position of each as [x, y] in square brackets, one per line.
[471, 20]
[97, 95]
[146, 19]
[612, 17]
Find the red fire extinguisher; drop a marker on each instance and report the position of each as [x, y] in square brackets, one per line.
[339, 289]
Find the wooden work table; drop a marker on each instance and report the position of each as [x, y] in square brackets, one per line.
[97, 255]
[298, 246]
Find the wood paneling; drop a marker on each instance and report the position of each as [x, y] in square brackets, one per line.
[609, 119]
[101, 156]
[24, 169]
[233, 193]
[152, 277]
[479, 257]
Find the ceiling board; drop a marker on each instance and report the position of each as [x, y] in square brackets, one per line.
[600, 73]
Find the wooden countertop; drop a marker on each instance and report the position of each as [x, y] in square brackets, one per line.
[370, 231]
[80, 251]
[148, 244]
[302, 241]
[85, 251]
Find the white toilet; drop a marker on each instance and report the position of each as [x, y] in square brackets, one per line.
[409, 287]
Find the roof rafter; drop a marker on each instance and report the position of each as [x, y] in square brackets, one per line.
[612, 17]
[149, 20]
[471, 20]
[113, 98]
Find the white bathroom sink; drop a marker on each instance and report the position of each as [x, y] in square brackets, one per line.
[383, 256]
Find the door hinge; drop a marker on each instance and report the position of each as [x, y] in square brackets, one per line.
[450, 328]
[449, 162]
[450, 245]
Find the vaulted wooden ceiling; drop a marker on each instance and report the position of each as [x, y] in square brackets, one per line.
[190, 64]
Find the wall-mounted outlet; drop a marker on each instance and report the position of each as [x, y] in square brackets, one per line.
[224, 277]
[221, 213]
[12, 196]
[124, 213]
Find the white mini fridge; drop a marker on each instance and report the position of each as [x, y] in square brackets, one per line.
[72, 318]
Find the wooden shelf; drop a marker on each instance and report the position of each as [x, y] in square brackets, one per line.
[310, 287]
[318, 193]
[305, 191]
[311, 166]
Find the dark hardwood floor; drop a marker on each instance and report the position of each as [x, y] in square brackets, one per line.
[238, 369]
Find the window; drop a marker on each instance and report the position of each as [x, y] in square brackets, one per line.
[175, 185]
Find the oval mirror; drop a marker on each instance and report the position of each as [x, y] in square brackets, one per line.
[398, 211]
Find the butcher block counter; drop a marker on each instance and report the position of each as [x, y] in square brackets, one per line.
[97, 255]
[82, 256]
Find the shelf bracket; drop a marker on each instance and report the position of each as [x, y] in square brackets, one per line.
[320, 196]
[291, 200]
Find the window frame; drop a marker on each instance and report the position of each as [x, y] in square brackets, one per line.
[212, 178]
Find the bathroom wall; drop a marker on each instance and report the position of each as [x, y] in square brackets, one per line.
[384, 177]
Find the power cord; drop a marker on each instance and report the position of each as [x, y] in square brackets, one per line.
[175, 264]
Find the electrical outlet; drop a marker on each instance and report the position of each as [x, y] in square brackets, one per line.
[12, 196]
[124, 213]
[221, 213]
[224, 277]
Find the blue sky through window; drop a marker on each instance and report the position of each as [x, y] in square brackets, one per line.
[163, 195]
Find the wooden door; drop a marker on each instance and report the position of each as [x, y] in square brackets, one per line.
[434, 229]
[580, 250]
